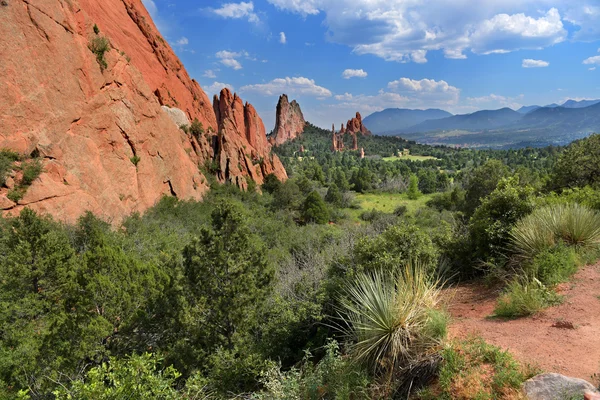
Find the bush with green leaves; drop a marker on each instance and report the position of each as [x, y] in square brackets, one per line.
[99, 45]
[523, 297]
[137, 377]
[387, 318]
[196, 129]
[271, 184]
[7, 161]
[491, 224]
[482, 181]
[333, 377]
[314, 209]
[473, 369]
[554, 265]
[396, 246]
[578, 165]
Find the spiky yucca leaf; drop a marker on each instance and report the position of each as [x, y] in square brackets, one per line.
[573, 224]
[386, 316]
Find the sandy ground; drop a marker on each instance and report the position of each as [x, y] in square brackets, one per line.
[563, 339]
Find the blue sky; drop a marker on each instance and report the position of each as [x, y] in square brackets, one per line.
[337, 57]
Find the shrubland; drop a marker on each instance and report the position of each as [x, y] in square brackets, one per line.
[296, 291]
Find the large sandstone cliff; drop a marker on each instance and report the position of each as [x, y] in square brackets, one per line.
[106, 143]
[289, 121]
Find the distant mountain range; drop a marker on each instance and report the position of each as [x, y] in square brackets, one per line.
[401, 118]
[504, 128]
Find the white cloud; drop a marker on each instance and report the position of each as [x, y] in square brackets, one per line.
[346, 96]
[282, 38]
[423, 85]
[229, 58]
[209, 73]
[354, 73]
[529, 63]
[493, 102]
[151, 7]
[303, 7]
[237, 11]
[183, 41]
[585, 15]
[216, 87]
[294, 86]
[406, 30]
[592, 69]
[504, 33]
[592, 60]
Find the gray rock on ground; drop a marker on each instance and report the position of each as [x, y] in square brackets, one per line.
[554, 386]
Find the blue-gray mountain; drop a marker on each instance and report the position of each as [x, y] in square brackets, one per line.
[504, 128]
[394, 119]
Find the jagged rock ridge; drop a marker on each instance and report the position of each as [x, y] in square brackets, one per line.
[289, 121]
[355, 125]
[107, 145]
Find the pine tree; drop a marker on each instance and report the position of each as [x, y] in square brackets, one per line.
[413, 188]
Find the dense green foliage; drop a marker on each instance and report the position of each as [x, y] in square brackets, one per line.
[249, 293]
[579, 165]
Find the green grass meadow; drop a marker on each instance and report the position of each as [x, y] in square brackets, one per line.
[387, 202]
[409, 158]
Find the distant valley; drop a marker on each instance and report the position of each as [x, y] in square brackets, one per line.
[534, 125]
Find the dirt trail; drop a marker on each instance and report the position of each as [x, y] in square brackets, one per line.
[570, 350]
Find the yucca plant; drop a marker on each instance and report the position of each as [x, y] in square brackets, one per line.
[572, 224]
[386, 318]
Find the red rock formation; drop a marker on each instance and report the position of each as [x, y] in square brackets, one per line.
[289, 121]
[89, 123]
[355, 125]
[242, 149]
[362, 152]
[354, 142]
[342, 130]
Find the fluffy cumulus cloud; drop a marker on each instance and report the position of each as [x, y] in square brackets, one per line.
[401, 93]
[407, 30]
[529, 63]
[237, 11]
[492, 102]
[354, 73]
[426, 91]
[282, 38]
[216, 88]
[209, 73]
[229, 58]
[592, 60]
[293, 86]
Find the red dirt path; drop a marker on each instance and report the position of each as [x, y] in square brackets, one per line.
[573, 352]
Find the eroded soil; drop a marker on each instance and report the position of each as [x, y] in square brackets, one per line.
[563, 339]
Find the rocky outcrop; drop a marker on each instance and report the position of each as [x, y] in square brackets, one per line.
[552, 386]
[337, 140]
[355, 125]
[289, 121]
[354, 141]
[241, 148]
[96, 120]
